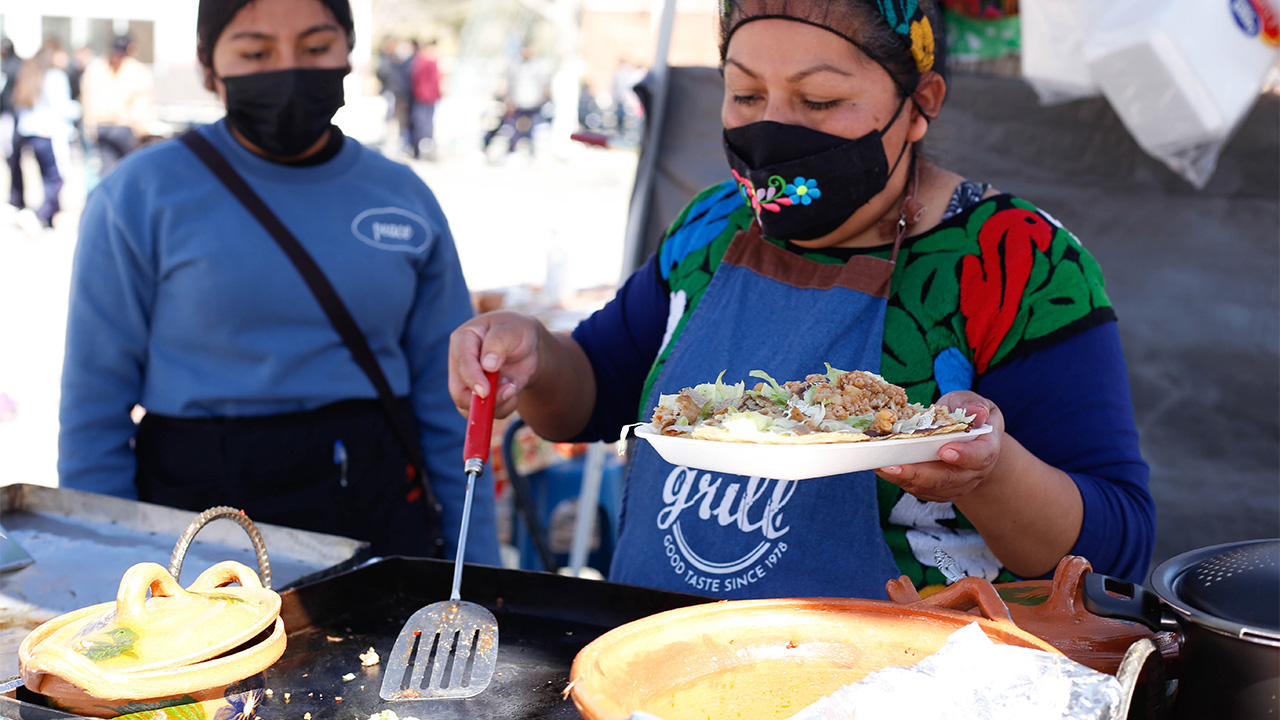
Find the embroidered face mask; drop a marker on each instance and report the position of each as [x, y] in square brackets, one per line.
[286, 111]
[804, 183]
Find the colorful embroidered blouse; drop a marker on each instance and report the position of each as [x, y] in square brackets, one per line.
[998, 298]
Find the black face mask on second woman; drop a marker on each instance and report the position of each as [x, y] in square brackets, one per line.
[284, 112]
[804, 183]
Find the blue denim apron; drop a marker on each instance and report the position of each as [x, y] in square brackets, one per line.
[738, 537]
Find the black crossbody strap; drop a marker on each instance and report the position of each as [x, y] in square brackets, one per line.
[328, 298]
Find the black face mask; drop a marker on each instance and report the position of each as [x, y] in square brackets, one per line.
[803, 183]
[286, 111]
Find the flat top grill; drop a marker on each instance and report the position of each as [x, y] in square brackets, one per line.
[543, 621]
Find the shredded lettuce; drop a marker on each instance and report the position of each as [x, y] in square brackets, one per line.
[816, 413]
[718, 391]
[858, 422]
[759, 421]
[833, 374]
[776, 394]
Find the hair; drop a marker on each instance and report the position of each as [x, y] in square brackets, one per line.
[861, 22]
[30, 81]
[213, 17]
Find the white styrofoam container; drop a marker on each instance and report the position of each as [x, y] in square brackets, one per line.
[1053, 35]
[1180, 73]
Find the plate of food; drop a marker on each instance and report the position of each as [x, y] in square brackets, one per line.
[827, 424]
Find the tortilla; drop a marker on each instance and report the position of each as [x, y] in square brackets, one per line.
[834, 407]
[710, 432]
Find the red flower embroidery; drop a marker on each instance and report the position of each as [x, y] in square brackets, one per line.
[761, 198]
[991, 284]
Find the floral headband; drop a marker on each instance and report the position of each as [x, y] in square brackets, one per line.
[907, 18]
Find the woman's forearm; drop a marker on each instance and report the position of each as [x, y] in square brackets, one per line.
[1028, 512]
[559, 399]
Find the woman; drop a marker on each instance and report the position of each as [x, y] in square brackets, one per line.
[182, 303]
[990, 306]
[45, 117]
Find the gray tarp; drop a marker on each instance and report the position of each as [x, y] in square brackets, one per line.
[1194, 275]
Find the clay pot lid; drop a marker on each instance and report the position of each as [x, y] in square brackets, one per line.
[172, 628]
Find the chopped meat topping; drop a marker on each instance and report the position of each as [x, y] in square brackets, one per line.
[844, 402]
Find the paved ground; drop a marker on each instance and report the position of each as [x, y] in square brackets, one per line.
[519, 224]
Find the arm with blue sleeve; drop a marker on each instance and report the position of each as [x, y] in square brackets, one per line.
[1069, 405]
[112, 289]
[621, 340]
[441, 304]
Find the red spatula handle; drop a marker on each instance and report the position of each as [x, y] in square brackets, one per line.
[480, 423]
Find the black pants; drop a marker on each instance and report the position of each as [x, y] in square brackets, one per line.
[114, 142]
[42, 148]
[337, 469]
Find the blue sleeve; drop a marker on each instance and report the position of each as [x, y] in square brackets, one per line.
[441, 304]
[1069, 404]
[112, 287]
[621, 340]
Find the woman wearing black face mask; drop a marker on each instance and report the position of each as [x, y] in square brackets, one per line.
[833, 240]
[278, 299]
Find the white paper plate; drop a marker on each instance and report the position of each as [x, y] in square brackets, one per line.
[799, 462]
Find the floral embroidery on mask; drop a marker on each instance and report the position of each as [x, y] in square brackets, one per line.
[764, 198]
[802, 191]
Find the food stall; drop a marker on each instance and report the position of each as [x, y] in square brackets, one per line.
[571, 647]
[335, 609]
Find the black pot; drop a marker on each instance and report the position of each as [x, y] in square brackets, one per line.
[1224, 602]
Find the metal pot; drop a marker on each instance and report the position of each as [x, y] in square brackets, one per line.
[1224, 601]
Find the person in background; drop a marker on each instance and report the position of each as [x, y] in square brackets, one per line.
[118, 95]
[181, 303]
[391, 85]
[426, 93]
[834, 239]
[528, 90]
[10, 63]
[45, 124]
[407, 53]
[627, 108]
[80, 59]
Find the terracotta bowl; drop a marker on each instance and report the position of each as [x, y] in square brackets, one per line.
[176, 647]
[757, 659]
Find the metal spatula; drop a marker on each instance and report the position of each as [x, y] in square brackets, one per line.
[451, 647]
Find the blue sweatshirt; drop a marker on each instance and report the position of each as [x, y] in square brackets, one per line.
[183, 304]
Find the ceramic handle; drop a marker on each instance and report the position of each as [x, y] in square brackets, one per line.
[971, 592]
[225, 573]
[131, 599]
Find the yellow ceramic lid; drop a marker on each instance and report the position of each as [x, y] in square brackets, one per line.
[169, 627]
